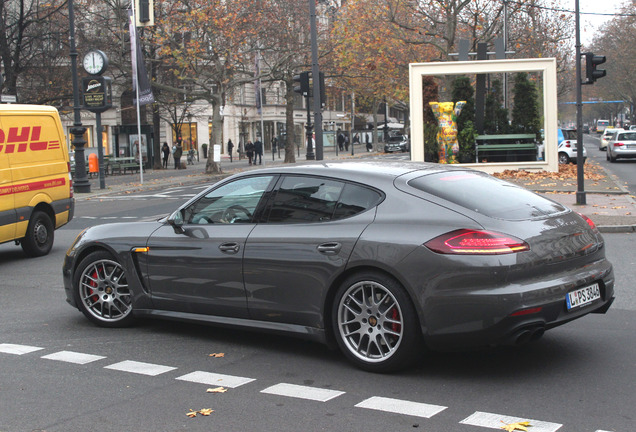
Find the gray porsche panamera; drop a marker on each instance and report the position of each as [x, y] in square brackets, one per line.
[380, 259]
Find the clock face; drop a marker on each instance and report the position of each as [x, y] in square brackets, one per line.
[95, 62]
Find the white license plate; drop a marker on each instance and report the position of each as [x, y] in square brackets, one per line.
[583, 296]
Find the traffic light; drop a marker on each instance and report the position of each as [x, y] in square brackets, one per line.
[303, 87]
[591, 73]
[323, 99]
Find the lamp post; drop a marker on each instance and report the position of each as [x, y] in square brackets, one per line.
[81, 183]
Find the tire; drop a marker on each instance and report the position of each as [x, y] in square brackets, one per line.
[38, 239]
[610, 158]
[563, 158]
[382, 336]
[101, 290]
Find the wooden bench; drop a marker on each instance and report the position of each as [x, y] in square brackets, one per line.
[121, 165]
[506, 147]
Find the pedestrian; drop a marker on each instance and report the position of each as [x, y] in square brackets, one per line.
[346, 143]
[165, 151]
[249, 151]
[341, 140]
[230, 146]
[178, 151]
[258, 152]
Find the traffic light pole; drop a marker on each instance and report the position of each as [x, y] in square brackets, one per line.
[580, 178]
[315, 70]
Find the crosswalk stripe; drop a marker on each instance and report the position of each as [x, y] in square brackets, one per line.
[302, 392]
[17, 349]
[73, 357]
[215, 379]
[399, 406]
[496, 421]
[140, 368]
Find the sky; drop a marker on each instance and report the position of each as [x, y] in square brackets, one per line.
[591, 22]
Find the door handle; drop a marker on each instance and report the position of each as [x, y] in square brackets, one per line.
[229, 247]
[329, 248]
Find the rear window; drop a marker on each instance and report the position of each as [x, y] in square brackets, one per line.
[630, 136]
[569, 134]
[487, 195]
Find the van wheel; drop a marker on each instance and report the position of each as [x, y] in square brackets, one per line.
[38, 240]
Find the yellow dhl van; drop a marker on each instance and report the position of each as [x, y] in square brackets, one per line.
[36, 189]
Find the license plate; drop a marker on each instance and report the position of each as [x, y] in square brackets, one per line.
[583, 296]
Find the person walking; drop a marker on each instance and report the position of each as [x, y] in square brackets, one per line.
[165, 151]
[341, 140]
[249, 151]
[258, 152]
[230, 146]
[178, 151]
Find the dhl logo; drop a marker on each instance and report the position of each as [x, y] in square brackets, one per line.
[19, 139]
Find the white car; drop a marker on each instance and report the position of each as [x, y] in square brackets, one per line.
[567, 139]
[622, 145]
[607, 133]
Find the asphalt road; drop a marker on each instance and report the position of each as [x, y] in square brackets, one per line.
[61, 373]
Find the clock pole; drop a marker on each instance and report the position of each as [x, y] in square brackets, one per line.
[80, 181]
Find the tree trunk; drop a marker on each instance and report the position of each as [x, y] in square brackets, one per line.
[212, 167]
[290, 154]
[156, 142]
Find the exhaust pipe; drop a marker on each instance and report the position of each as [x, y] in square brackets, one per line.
[528, 334]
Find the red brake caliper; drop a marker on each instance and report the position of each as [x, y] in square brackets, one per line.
[395, 316]
[94, 285]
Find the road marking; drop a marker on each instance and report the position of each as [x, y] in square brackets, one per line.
[401, 406]
[215, 379]
[73, 357]
[140, 368]
[302, 392]
[17, 349]
[495, 421]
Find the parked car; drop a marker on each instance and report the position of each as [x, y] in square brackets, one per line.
[396, 143]
[621, 145]
[607, 133]
[377, 258]
[567, 139]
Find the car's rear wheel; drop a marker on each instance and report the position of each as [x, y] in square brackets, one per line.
[102, 292]
[375, 323]
[38, 239]
[563, 158]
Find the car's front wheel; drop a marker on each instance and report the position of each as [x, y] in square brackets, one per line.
[102, 292]
[375, 323]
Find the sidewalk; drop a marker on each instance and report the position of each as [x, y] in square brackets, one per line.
[608, 203]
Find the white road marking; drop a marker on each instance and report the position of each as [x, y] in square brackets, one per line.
[401, 406]
[215, 379]
[18, 349]
[302, 392]
[496, 421]
[73, 357]
[140, 368]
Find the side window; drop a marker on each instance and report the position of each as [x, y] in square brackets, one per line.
[234, 202]
[302, 199]
[356, 199]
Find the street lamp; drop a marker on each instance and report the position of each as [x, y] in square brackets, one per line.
[81, 183]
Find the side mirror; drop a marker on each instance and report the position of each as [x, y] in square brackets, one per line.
[176, 221]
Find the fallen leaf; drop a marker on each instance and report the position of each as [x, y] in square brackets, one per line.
[191, 414]
[206, 411]
[515, 426]
[216, 390]
[217, 355]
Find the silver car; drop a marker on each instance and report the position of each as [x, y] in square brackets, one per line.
[607, 134]
[621, 145]
[379, 259]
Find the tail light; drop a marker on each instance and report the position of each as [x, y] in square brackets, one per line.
[589, 221]
[567, 144]
[618, 144]
[70, 179]
[476, 242]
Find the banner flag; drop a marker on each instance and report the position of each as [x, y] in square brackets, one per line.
[140, 76]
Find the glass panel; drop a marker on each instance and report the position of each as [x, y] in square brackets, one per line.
[305, 199]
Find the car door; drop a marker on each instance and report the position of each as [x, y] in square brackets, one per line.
[291, 260]
[197, 267]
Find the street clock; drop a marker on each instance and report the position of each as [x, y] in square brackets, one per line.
[95, 62]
